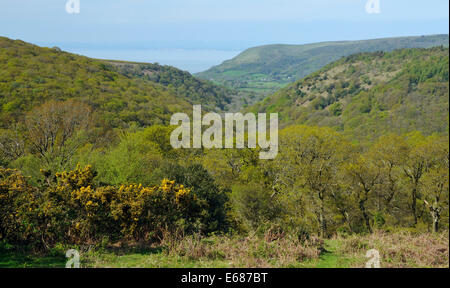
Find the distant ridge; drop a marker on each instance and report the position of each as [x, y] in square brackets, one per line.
[265, 69]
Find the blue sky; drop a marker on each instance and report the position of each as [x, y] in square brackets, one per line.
[209, 31]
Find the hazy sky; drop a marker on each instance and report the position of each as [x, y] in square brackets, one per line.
[150, 30]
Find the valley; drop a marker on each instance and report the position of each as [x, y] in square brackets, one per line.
[86, 160]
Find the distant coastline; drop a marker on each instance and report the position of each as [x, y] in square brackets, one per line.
[191, 60]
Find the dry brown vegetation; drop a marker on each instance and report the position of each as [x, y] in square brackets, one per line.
[401, 249]
[245, 252]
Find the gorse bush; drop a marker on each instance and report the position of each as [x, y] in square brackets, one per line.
[70, 209]
[211, 199]
[144, 212]
[18, 204]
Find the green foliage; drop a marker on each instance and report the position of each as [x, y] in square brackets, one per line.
[336, 109]
[378, 220]
[132, 160]
[254, 205]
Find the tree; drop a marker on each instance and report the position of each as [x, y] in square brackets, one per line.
[55, 130]
[364, 176]
[416, 165]
[389, 153]
[310, 160]
[436, 182]
[12, 145]
[131, 161]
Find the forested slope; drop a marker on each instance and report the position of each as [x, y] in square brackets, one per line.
[197, 91]
[371, 94]
[145, 94]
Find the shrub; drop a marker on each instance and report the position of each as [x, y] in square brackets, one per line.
[18, 204]
[71, 210]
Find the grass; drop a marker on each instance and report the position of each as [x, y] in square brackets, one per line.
[331, 258]
[9, 259]
[397, 250]
[147, 260]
